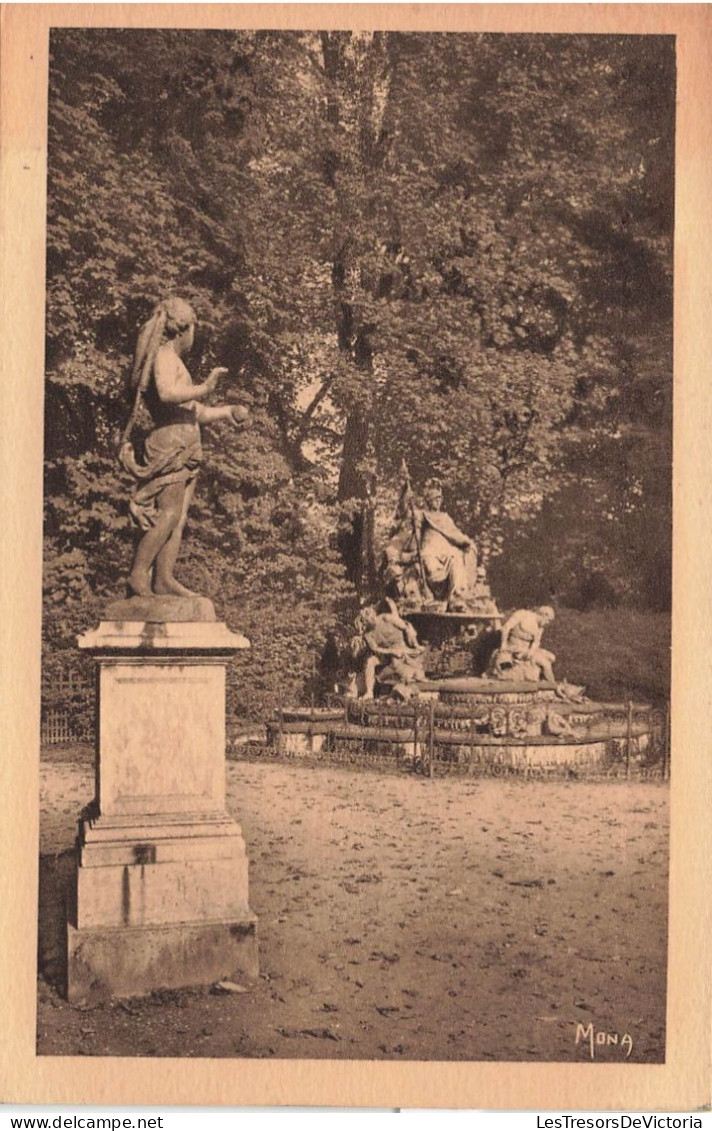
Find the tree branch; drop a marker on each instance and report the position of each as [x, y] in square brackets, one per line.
[313, 406]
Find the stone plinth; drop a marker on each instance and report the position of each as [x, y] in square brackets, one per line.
[161, 891]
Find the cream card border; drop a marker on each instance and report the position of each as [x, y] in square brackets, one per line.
[683, 1083]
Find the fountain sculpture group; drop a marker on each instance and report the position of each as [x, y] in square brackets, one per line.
[440, 673]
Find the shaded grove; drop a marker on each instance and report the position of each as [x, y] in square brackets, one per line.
[454, 249]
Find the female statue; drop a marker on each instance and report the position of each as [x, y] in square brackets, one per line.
[165, 482]
[427, 557]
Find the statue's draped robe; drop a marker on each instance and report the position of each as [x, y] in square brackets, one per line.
[444, 560]
[173, 454]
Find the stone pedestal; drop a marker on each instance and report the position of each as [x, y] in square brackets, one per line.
[160, 897]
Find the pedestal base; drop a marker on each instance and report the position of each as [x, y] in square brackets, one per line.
[158, 903]
[107, 962]
[133, 873]
[160, 892]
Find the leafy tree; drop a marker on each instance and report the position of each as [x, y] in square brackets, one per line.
[472, 272]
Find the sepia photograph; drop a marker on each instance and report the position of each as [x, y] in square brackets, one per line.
[356, 717]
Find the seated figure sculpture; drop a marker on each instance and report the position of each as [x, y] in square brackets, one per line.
[428, 559]
[389, 650]
[520, 655]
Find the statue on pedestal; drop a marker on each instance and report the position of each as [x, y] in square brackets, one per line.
[165, 480]
[520, 656]
[160, 888]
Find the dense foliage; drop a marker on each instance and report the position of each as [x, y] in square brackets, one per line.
[450, 248]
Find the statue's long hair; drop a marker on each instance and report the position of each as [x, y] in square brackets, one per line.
[169, 319]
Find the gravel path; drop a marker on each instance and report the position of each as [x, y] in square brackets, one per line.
[403, 918]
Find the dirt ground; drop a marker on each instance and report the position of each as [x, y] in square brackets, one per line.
[404, 918]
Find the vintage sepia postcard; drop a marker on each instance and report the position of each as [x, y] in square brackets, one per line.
[355, 605]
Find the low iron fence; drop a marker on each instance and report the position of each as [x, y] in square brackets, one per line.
[68, 703]
[633, 743]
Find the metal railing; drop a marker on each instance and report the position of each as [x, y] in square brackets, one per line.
[412, 737]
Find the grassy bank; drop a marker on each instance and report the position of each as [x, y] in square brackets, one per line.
[616, 653]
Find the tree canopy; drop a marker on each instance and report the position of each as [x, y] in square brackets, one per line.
[450, 248]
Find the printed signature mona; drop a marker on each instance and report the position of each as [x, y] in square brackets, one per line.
[601, 1038]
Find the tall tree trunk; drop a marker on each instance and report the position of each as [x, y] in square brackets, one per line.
[358, 93]
[356, 493]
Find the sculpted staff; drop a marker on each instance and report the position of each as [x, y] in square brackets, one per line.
[165, 482]
[408, 498]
